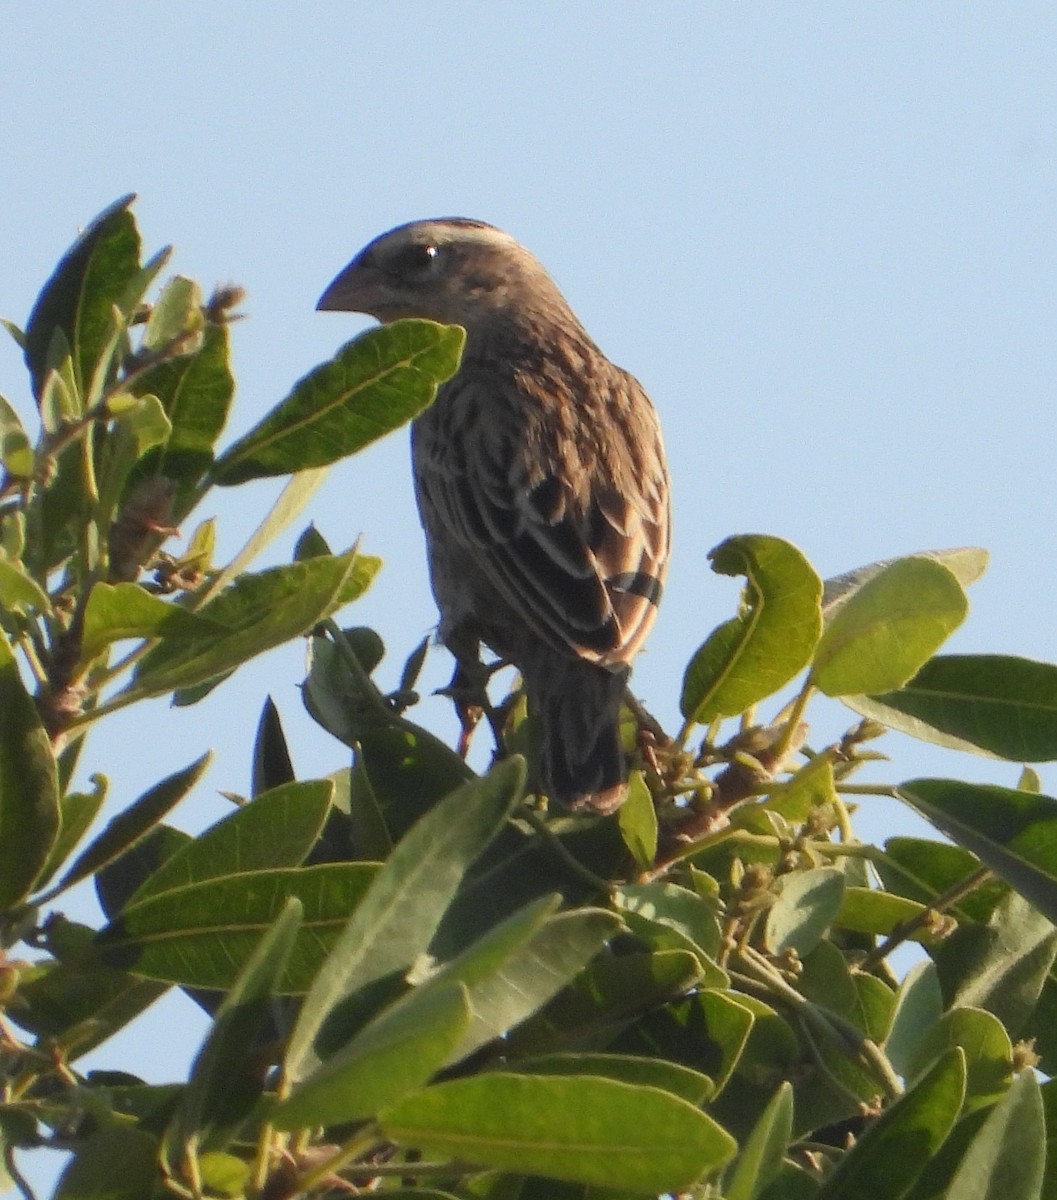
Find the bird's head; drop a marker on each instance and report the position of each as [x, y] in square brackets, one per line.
[451, 270]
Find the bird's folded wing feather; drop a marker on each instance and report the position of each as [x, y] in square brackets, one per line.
[584, 572]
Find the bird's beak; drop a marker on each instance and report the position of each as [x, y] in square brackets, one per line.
[354, 290]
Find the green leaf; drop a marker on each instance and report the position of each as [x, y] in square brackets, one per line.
[117, 1162]
[178, 311]
[919, 1006]
[676, 908]
[257, 612]
[761, 1157]
[373, 385]
[797, 798]
[77, 812]
[590, 1130]
[125, 610]
[869, 910]
[145, 424]
[637, 819]
[986, 703]
[966, 563]
[226, 1080]
[391, 1057]
[132, 825]
[513, 971]
[202, 935]
[195, 391]
[807, 904]
[29, 788]
[604, 998]
[277, 829]
[1006, 1159]
[890, 1155]
[95, 274]
[19, 591]
[681, 1081]
[291, 501]
[987, 1048]
[1012, 832]
[16, 453]
[404, 906]
[773, 637]
[922, 870]
[1000, 966]
[78, 995]
[888, 628]
[271, 755]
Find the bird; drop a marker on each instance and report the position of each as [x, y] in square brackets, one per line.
[542, 488]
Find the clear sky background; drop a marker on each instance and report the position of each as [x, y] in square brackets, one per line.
[823, 236]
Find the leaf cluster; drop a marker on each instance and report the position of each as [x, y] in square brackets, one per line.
[425, 982]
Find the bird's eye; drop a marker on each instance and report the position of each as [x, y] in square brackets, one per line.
[417, 260]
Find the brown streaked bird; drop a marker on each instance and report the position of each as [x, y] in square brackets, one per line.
[541, 484]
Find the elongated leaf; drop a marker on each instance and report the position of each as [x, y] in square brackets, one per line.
[966, 563]
[272, 766]
[1006, 1160]
[391, 1057]
[590, 1130]
[637, 819]
[675, 906]
[681, 1081]
[195, 391]
[610, 993]
[761, 1156]
[77, 812]
[178, 311]
[203, 934]
[29, 788]
[286, 509]
[117, 1162]
[756, 653]
[79, 996]
[529, 975]
[226, 1080]
[16, 454]
[258, 612]
[19, 591]
[130, 826]
[125, 610]
[868, 910]
[887, 629]
[986, 703]
[807, 904]
[276, 830]
[1012, 832]
[402, 910]
[373, 385]
[95, 274]
[891, 1154]
[1000, 966]
[919, 1005]
[987, 1048]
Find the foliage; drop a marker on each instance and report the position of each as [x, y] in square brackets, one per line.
[422, 981]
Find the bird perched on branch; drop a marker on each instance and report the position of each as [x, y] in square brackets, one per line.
[541, 484]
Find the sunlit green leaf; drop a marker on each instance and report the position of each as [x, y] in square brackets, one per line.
[594, 1130]
[987, 703]
[888, 628]
[29, 792]
[373, 385]
[772, 638]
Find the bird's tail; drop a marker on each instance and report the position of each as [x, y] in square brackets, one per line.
[577, 705]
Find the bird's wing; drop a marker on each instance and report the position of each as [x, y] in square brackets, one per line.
[580, 559]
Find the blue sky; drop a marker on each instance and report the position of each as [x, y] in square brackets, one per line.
[823, 236]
